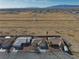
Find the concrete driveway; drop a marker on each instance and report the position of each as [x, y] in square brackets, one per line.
[21, 55]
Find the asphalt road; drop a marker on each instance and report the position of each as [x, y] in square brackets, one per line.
[21, 55]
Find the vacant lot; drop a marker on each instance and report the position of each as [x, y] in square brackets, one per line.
[64, 24]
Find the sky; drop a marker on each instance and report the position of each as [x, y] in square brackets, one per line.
[35, 3]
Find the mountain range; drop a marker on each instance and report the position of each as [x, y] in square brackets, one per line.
[58, 7]
[64, 6]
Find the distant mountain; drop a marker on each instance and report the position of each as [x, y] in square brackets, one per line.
[51, 8]
[64, 6]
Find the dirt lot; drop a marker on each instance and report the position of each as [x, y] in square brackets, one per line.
[64, 24]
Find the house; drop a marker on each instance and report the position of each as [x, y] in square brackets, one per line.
[22, 41]
[6, 43]
[40, 44]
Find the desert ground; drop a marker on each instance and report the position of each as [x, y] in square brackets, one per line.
[55, 23]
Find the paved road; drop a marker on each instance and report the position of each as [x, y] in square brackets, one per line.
[21, 55]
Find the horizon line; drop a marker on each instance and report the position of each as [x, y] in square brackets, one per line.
[37, 7]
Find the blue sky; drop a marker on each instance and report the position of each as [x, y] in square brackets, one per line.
[35, 3]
